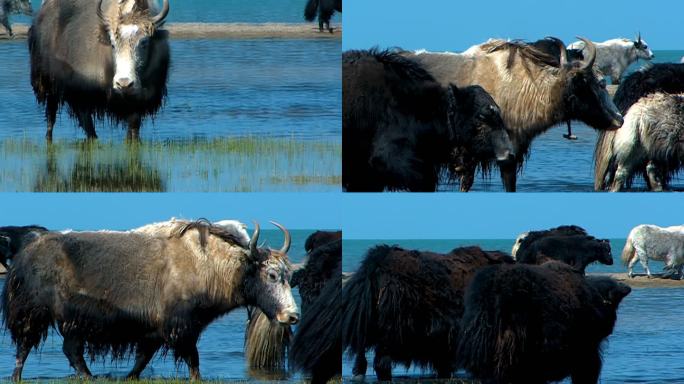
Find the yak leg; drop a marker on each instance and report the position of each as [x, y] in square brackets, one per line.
[588, 369]
[191, 358]
[143, 355]
[655, 180]
[509, 171]
[643, 259]
[4, 20]
[74, 348]
[630, 268]
[85, 120]
[467, 179]
[383, 366]
[360, 366]
[50, 116]
[621, 175]
[23, 349]
[134, 122]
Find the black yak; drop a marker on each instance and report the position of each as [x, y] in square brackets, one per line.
[532, 324]
[106, 58]
[15, 239]
[406, 306]
[568, 243]
[533, 89]
[401, 129]
[8, 7]
[266, 341]
[325, 10]
[661, 77]
[155, 287]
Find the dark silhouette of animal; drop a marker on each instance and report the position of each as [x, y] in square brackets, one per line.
[552, 46]
[660, 77]
[266, 341]
[537, 324]
[406, 306]
[15, 239]
[401, 128]
[155, 287]
[111, 60]
[568, 243]
[324, 9]
[8, 7]
[533, 89]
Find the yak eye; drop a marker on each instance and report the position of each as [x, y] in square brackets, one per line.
[272, 276]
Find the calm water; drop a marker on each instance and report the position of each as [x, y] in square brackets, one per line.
[284, 95]
[559, 165]
[220, 348]
[643, 348]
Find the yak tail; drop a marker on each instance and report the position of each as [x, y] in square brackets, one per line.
[603, 159]
[317, 345]
[628, 250]
[310, 10]
[266, 342]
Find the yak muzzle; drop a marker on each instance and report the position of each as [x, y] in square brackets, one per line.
[505, 156]
[617, 122]
[288, 317]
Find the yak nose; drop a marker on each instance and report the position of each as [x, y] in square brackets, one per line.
[124, 83]
[293, 318]
[288, 317]
[617, 122]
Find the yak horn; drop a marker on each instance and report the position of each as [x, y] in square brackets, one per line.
[253, 251]
[563, 51]
[591, 54]
[99, 12]
[159, 18]
[286, 244]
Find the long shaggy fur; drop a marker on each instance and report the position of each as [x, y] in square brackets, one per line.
[406, 305]
[402, 128]
[537, 324]
[266, 341]
[16, 239]
[660, 77]
[656, 243]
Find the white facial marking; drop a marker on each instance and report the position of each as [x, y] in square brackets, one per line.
[129, 30]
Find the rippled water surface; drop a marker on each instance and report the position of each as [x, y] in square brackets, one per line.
[220, 348]
[644, 347]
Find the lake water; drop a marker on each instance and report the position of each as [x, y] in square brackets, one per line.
[644, 347]
[220, 348]
[281, 96]
[559, 165]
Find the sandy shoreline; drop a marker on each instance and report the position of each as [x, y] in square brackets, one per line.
[641, 281]
[226, 31]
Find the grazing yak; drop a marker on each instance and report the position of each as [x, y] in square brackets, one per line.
[406, 306]
[533, 89]
[325, 10]
[266, 341]
[656, 243]
[650, 142]
[526, 324]
[115, 292]
[14, 239]
[568, 243]
[8, 7]
[106, 58]
[401, 128]
[614, 56]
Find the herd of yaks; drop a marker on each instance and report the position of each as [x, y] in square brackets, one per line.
[410, 117]
[531, 316]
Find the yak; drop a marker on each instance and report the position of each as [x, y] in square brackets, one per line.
[325, 10]
[266, 341]
[8, 7]
[568, 243]
[401, 128]
[660, 77]
[107, 58]
[525, 324]
[534, 90]
[406, 306]
[647, 241]
[145, 289]
[15, 239]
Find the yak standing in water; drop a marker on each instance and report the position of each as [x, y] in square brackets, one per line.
[8, 7]
[401, 129]
[406, 306]
[568, 243]
[529, 324]
[107, 58]
[325, 10]
[158, 286]
[534, 90]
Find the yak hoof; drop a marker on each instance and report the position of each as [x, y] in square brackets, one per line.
[569, 137]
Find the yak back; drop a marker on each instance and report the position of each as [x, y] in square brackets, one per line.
[661, 77]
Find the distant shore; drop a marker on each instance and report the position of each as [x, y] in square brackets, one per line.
[642, 281]
[226, 31]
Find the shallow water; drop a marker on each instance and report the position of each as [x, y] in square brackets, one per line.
[644, 347]
[220, 348]
[559, 165]
[282, 94]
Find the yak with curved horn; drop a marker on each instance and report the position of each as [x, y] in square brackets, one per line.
[110, 60]
[95, 289]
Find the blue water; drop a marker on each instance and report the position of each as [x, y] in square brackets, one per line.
[227, 11]
[644, 347]
[559, 165]
[220, 348]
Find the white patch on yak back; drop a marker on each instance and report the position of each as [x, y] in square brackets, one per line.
[237, 228]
